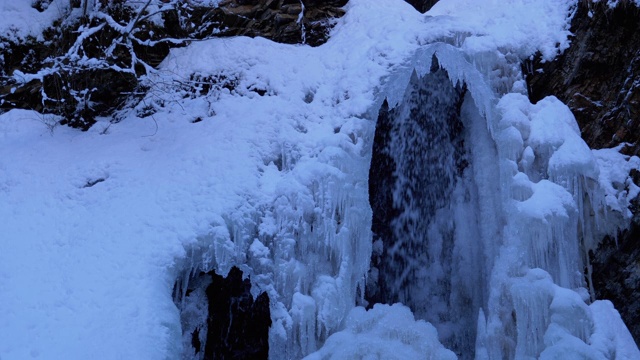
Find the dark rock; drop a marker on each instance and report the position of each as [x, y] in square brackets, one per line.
[598, 77]
[616, 275]
[273, 19]
[422, 5]
[220, 318]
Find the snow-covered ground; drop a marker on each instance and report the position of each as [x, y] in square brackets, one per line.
[268, 171]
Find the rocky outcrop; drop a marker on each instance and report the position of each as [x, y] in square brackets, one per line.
[286, 21]
[115, 59]
[616, 276]
[598, 77]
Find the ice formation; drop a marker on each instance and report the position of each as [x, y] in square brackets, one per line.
[273, 179]
[530, 206]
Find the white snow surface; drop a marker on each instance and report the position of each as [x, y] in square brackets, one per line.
[97, 226]
[384, 332]
[20, 19]
[518, 26]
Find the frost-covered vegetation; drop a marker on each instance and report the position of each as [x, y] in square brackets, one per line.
[87, 58]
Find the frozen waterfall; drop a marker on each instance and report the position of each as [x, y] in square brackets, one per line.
[484, 209]
[437, 185]
[453, 195]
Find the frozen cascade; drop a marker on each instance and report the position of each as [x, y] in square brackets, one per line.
[419, 195]
[488, 218]
[500, 241]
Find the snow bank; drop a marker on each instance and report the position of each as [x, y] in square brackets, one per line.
[609, 335]
[273, 155]
[516, 26]
[20, 19]
[384, 332]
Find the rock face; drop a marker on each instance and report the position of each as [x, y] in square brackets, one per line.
[422, 5]
[598, 77]
[617, 276]
[286, 21]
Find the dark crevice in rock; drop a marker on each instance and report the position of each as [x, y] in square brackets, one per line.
[221, 320]
[422, 5]
[598, 77]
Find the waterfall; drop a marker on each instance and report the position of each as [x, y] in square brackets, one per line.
[484, 207]
[418, 194]
[434, 183]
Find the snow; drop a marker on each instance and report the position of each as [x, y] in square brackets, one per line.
[267, 170]
[20, 19]
[609, 337]
[613, 3]
[384, 332]
[519, 26]
[614, 179]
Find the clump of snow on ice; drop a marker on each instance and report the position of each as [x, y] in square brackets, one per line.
[614, 178]
[556, 323]
[521, 26]
[610, 335]
[383, 332]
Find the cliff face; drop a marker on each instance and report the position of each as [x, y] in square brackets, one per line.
[285, 21]
[598, 77]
